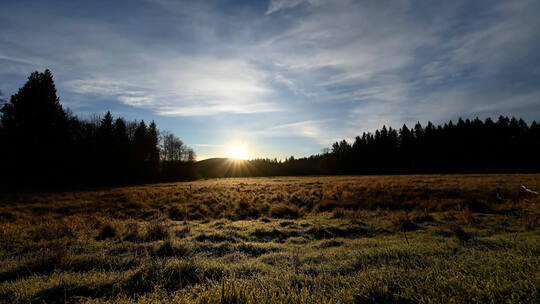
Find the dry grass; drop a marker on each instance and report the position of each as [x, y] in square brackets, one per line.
[242, 198]
[346, 239]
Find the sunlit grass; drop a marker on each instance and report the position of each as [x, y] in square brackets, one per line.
[376, 239]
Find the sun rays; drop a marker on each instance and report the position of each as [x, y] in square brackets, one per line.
[238, 152]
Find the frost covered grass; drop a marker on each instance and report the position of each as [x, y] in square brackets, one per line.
[345, 239]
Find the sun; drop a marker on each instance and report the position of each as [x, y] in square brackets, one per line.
[238, 152]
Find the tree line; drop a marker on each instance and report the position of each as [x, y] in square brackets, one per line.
[468, 146]
[44, 144]
[507, 145]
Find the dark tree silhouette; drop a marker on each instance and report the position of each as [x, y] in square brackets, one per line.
[121, 151]
[36, 129]
[152, 142]
[470, 146]
[509, 145]
[43, 144]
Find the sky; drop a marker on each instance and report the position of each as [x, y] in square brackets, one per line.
[278, 78]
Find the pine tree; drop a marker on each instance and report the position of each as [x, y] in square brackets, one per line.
[152, 141]
[36, 129]
[121, 150]
[105, 148]
[139, 151]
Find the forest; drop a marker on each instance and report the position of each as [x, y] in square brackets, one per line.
[507, 145]
[45, 144]
[468, 146]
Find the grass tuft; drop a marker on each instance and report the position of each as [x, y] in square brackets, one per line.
[282, 210]
[171, 249]
[156, 229]
[108, 230]
[460, 234]
[403, 222]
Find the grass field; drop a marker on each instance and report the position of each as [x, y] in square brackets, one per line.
[345, 239]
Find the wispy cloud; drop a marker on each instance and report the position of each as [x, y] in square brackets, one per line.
[317, 70]
[18, 60]
[186, 86]
[276, 5]
[318, 130]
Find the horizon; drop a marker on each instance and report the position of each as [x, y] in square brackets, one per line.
[274, 79]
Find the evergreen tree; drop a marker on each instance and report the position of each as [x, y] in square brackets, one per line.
[105, 148]
[120, 150]
[139, 151]
[152, 142]
[36, 130]
[44, 144]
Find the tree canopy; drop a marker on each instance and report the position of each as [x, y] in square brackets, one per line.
[44, 144]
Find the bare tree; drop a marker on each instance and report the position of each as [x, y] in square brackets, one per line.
[131, 127]
[172, 148]
[95, 119]
[191, 155]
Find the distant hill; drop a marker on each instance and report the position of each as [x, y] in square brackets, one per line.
[224, 167]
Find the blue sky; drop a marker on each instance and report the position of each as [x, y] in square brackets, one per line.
[278, 77]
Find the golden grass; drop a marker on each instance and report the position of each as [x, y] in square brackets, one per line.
[241, 198]
[343, 239]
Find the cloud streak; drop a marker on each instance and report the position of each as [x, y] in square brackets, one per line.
[317, 70]
[181, 86]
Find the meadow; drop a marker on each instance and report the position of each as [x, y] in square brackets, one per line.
[339, 239]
